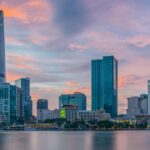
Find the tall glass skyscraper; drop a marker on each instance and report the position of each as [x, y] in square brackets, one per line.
[24, 84]
[2, 49]
[105, 85]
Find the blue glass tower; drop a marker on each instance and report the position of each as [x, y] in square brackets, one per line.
[2, 49]
[78, 99]
[24, 84]
[105, 85]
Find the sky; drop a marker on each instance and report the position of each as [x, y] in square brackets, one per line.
[53, 43]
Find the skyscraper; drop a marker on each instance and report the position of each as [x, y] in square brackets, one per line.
[10, 99]
[24, 84]
[78, 99]
[42, 104]
[2, 49]
[105, 85]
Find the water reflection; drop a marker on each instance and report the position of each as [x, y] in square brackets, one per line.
[117, 140]
[101, 140]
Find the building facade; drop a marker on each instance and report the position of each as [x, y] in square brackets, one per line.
[78, 99]
[88, 116]
[42, 104]
[24, 84]
[105, 85]
[2, 49]
[69, 112]
[10, 97]
[44, 114]
[137, 106]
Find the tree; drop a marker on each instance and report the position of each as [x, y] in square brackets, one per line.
[105, 124]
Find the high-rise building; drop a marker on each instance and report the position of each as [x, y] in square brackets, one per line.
[105, 85]
[2, 49]
[10, 99]
[148, 96]
[42, 104]
[78, 99]
[24, 84]
[137, 106]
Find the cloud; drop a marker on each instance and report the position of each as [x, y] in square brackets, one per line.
[70, 16]
[72, 84]
[29, 11]
[139, 41]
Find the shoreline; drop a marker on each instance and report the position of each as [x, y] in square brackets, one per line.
[76, 130]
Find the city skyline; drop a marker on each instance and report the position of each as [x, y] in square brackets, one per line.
[53, 72]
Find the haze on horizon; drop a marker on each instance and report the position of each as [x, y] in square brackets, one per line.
[53, 43]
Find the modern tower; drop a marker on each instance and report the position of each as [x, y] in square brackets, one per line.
[105, 85]
[24, 84]
[2, 49]
[78, 99]
[42, 104]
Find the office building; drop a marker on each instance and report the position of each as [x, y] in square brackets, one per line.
[88, 116]
[144, 103]
[133, 107]
[44, 114]
[10, 99]
[69, 112]
[2, 49]
[105, 85]
[24, 84]
[78, 99]
[137, 106]
[42, 104]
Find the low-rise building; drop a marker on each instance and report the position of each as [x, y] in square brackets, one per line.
[102, 115]
[93, 115]
[143, 120]
[69, 112]
[87, 116]
[46, 114]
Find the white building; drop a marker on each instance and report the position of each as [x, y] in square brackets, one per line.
[137, 106]
[44, 114]
[87, 115]
[69, 112]
[93, 115]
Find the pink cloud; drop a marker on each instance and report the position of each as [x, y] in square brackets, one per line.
[139, 41]
[29, 12]
[72, 84]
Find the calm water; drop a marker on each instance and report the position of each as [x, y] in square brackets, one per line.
[85, 140]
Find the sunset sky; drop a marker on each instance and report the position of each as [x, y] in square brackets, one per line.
[54, 41]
